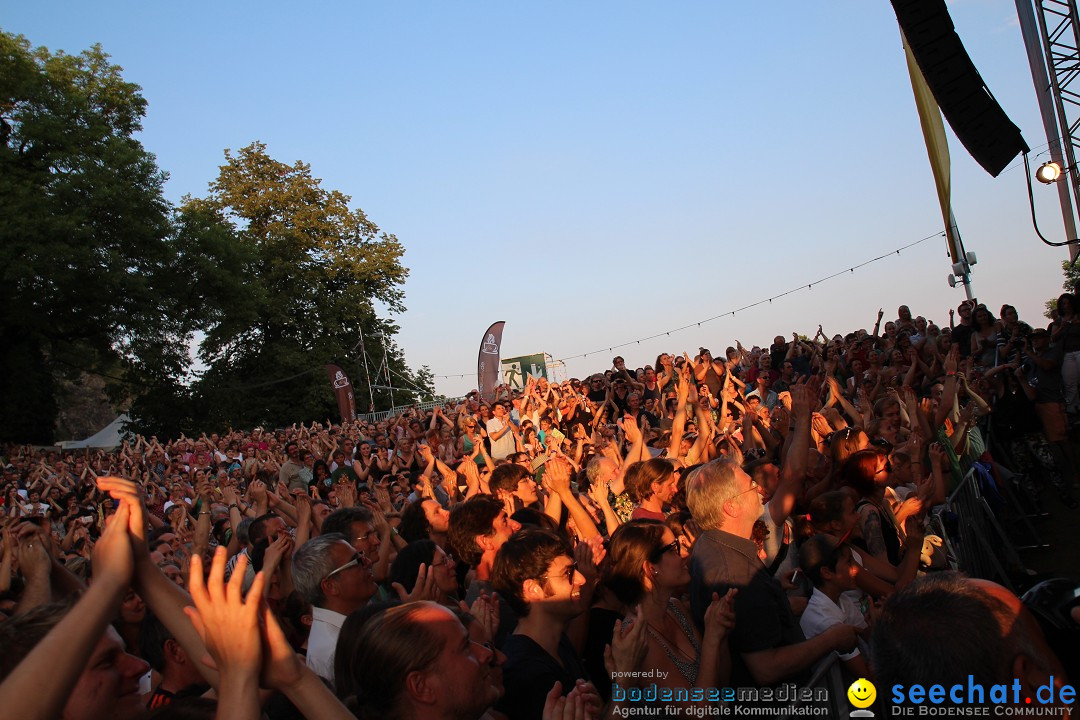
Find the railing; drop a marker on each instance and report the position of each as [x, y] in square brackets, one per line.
[383, 414]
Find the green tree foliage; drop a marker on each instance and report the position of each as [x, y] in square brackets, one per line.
[1072, 282]
[87, 251]
[100, 276]
[312, 268]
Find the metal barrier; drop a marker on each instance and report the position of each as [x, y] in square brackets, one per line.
[383, 414]
[980, 545]
[828, 674]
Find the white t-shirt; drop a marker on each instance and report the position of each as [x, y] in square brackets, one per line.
[503, 446]
[822, 613]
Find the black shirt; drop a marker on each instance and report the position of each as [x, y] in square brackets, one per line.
[601, 629]
[961, 337]
[721, 561]
[530, 673]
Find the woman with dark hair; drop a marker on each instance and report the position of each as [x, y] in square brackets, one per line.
[842, 445]
[651, 484]
[644, 569]
[320, 475]
[1065, 331]
[984, 330]
[423, 560]
[866, 473]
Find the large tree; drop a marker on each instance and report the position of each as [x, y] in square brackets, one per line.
[314, 268]
[86, 243]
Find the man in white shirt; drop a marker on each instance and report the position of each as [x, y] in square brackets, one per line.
[329, 573]
[500, 431]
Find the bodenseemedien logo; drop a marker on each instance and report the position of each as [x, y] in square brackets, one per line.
[862, 695]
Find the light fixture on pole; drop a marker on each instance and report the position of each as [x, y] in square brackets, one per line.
[1048, 173]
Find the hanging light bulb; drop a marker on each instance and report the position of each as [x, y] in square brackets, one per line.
[1048, 173]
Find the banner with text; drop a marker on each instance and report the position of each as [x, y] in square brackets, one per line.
[343, 391]
[487, 363]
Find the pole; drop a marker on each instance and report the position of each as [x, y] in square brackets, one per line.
[367, 374]
[1037, 62]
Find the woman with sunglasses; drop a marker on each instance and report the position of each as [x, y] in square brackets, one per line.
[644, 569]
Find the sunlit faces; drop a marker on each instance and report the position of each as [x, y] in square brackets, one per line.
[132, 608]
[502, 528]
[526, 491]
[884, 470]
[276, 528]
[665, 491]
[845, 572]
[351, 578]
[364, 538]
[173, 573]
[319, 511]
[462, 680]
[748, 498]
[437, 516]
[668, 567]
[891, 414]
[443, 567]
[767, 476]
[109, 686]
[561, 583]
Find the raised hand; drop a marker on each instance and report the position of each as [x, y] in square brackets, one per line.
[630, 429]
[277, 551]
[952, 361]
[720, 616]
[229, 627]
[598, 491]
[588, 554]
[557, 475]
[424, 589]
[628, 647]
[939, 456]
[31, 554]
[802, 401]
[558, 707]
[486, 611]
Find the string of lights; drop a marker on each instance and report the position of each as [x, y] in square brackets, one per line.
[806, 286]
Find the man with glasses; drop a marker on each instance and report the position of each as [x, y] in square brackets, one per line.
[360, 529]
[337, 580]
[536, 574]
[767, 645]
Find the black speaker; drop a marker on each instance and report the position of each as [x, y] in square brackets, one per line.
[965, 101]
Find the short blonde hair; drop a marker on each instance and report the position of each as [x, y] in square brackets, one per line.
[708, 488]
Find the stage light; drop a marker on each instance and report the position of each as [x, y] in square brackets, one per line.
[1048, 173]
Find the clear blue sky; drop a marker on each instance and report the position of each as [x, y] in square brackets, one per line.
[594, 173]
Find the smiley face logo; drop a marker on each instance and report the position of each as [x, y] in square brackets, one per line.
[862, 693]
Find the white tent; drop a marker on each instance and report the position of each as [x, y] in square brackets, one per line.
[108, 437]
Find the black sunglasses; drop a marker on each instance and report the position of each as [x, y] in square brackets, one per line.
[660, 552]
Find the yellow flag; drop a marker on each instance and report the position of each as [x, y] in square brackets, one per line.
[937, 146]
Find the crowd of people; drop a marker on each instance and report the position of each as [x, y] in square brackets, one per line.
[639, 538]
